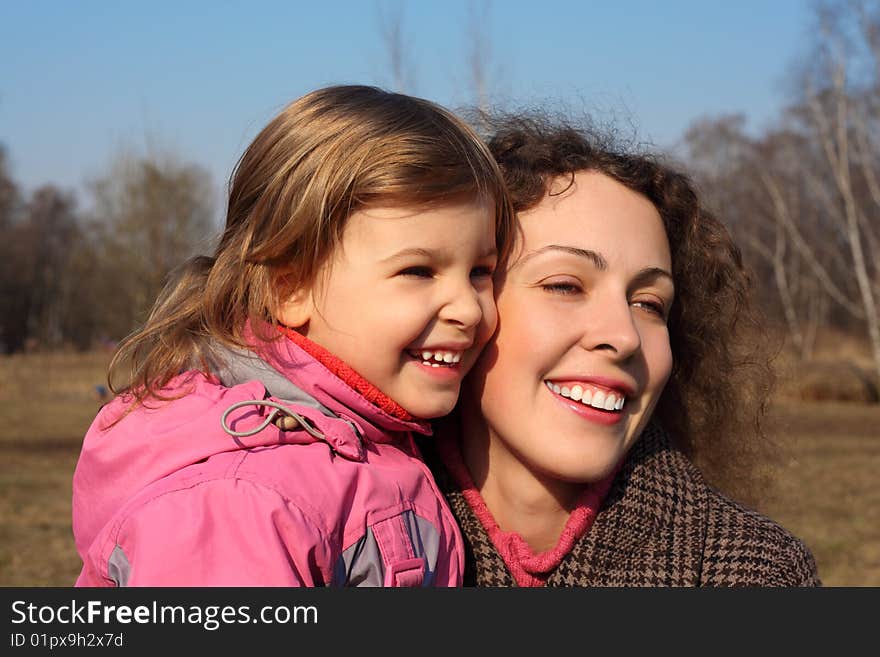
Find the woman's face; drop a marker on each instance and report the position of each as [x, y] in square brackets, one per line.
[582, 350]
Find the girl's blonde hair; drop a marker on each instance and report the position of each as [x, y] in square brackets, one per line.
[325, 156]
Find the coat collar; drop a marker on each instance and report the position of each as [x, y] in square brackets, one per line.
[652, 528]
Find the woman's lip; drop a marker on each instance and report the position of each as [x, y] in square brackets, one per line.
[611, 385]
[588, 412]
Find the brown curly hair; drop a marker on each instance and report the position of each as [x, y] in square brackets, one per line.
[716, 397]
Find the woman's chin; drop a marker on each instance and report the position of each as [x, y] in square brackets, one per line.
[583, 467]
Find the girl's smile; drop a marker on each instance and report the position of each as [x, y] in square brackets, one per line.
[406, 300]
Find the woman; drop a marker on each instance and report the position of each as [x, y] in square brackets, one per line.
[621, 359]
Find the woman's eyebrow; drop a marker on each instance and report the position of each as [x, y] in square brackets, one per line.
[596, 258]
[649, 274]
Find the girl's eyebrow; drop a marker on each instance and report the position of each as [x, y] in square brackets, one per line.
[429, 253]
[596, 258]
[412, 251]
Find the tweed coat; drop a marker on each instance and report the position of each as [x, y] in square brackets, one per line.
[659, 525]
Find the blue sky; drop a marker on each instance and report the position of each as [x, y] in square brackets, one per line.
[82, 79]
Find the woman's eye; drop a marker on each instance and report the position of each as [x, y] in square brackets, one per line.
[653, 307]
[416, 272]
[562, 288]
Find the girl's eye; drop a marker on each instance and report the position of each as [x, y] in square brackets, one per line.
[562, 288]
[482, 272]
[416, 272]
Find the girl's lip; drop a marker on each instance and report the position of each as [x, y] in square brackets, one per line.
[444, 371]
[449, 346]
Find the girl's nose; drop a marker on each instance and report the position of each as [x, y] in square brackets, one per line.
[462, 306]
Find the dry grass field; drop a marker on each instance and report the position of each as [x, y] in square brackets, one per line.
[828, 493]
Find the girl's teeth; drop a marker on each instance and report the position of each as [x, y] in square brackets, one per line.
[598, 399]
[434, 357]
[577, 392]
[610, 402]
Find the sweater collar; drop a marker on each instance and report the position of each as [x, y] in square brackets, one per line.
[529, 569]
[651, 529]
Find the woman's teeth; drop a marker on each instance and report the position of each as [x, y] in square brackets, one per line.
[606, 401]
[438, 358]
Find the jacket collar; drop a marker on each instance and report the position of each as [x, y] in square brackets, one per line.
[291, 374]
[652, 528]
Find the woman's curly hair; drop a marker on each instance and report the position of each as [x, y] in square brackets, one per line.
[715, 399]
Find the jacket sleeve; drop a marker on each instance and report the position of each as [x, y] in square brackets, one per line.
[223, 532]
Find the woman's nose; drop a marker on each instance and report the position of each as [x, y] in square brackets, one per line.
[611, 327]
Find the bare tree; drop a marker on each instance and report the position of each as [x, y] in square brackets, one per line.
[8, 192]
[842, 100]
[479, 55]
[12, 329]
[50, 232]
[805, 196]
[151, 213]
[748, 181]
[391, 31]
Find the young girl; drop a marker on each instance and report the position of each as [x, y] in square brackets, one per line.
[263, 433]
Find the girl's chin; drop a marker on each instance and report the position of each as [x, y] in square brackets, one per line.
[423, 411]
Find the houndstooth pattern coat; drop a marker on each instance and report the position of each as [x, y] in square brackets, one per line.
[660, 525]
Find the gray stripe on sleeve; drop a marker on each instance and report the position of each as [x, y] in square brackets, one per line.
[118, 567]
[362, 565]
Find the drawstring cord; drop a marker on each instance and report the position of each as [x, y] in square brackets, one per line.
[283, 417]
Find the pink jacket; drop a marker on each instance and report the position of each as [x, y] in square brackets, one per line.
[167, 497]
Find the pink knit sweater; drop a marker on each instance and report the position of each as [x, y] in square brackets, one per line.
[527, 567]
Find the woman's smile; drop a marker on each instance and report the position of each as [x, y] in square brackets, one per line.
[590, 401]
[582, 350]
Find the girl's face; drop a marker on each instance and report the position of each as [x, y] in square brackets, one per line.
[406, 300]
[582, 350]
